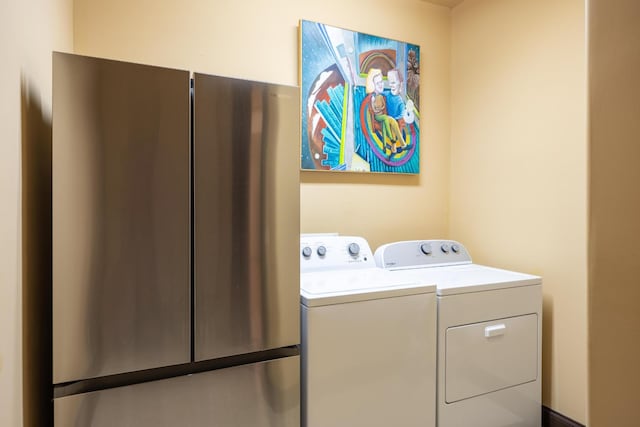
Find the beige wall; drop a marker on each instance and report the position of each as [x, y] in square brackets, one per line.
[29, 31]
[515, 176]
[519, 164]
[614, 223]
[259, 40]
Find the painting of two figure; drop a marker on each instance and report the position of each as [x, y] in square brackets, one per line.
[360, 101]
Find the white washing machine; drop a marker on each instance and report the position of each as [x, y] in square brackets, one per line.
[489, 334]
[368, 339]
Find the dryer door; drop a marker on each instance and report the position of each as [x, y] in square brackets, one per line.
[490, 356]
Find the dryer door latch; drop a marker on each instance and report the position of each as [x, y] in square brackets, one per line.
[494, 330]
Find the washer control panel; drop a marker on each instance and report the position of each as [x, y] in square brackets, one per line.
[320, 252]
[421, 253]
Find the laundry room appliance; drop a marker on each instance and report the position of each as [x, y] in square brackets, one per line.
[489, 334]
[175, 239]
[368, 339]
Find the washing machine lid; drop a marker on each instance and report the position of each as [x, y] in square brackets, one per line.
[338, 287]
[460, 279]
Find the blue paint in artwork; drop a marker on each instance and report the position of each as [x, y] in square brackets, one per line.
[368, 42]
[332, 134]
[364, 149]
[414, 48]
[316, 58]
[334, 53]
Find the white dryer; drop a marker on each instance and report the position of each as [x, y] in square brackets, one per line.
[489, 334]
[368, 339]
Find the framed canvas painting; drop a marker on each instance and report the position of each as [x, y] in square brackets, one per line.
[360, 101]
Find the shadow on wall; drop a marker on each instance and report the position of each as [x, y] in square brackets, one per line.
[36, 260]
[328, 177]
[547, 349]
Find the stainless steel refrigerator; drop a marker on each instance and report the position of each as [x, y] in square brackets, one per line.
[175, 248]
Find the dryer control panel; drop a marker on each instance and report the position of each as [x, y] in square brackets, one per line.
[421, 253]
[320, 252]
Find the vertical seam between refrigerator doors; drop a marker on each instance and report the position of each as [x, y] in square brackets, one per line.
[192, 288]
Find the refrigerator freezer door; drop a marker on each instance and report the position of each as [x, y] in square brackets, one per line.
[265, 394]
[121, 217]
[246, 156]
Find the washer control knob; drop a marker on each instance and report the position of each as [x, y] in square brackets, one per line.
[354, 249]
[322, 251]
[455, 248]
[444, 248]
[425, 248]
[306, 252]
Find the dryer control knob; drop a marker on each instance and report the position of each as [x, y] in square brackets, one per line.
[354, 249]
[455, 248]
[322, 251]
[306, 252]
[444, 248]
[425, 248]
